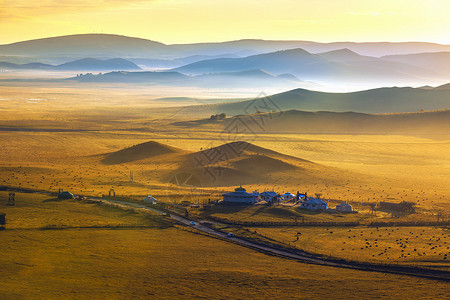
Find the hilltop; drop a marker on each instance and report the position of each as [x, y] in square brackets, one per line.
[111, 45]
[244, 79]
[228, 164]
[85, 64]
[142, 151]
[85, 45]
[338, 65]
[245, 163]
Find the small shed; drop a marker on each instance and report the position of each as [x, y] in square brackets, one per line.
[65, 195]
[268, 196]
[150, 200]
[287, 196]
[344, 207]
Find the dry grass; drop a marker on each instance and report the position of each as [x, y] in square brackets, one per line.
[426, 246]
[162, 262]
[167, 263]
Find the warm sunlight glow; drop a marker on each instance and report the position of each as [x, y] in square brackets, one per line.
[184, 21]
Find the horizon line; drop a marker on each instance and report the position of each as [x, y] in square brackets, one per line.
[224, 41]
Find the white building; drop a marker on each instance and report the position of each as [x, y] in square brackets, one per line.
[287, 196]
[314, 204]
[268, 196]
[150, 200]
[344, 207]
[240, 196]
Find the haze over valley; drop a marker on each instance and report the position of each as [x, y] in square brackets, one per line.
[225, 150]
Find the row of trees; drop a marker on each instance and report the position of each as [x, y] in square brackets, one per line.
[218, 116]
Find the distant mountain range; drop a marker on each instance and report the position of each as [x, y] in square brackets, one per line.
[294, 121]
[86, 64]
[248, 78]
[336, 64]
[110, 46]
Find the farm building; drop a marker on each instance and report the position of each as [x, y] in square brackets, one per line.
[404, 206]
[344, 207]
[65, 195]
[268, 196]
[239, 196]
[287, 196]
[302, 196]
[150, 200]
[314, 204]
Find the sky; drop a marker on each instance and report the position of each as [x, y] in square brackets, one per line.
[188, 21]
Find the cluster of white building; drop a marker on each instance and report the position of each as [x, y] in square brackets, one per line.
[241, 197]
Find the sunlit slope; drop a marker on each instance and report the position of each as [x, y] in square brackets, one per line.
[381, 100]
[294, 121]
[138, 152]
[232, 164]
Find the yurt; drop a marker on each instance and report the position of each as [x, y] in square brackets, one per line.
[239, 196]
[344, 207]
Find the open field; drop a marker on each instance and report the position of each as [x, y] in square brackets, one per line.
[424, 246]
[360, 168]
[74, 140]
[161, 262]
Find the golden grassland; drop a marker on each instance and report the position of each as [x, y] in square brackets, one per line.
[404, 168]
[289, 213]
[425, 246]
[115, 257]
[160, 261]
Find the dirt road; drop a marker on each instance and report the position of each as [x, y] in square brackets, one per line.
[288, 253]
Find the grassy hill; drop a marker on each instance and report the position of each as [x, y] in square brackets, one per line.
[85, 64]
[138, 152]
[380, 100]
[85, 45]
[294, 121]
[339, 65]
[243, 79]
[241, 162]
[229, 164]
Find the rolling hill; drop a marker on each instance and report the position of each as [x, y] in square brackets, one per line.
[443, 87]
[241, 162]
[294, 121]
[250, 78]
[232, 163]
[247, 47]
[138, 152]
[110, 46]
[381, 100]
[337, 66]
[86, 45]
[85, 64]
[439, 62]
[93, 64]
[134, 77]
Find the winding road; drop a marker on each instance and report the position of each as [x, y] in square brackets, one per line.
[287, 253]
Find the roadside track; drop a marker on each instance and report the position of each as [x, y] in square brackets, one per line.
[287, 253]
